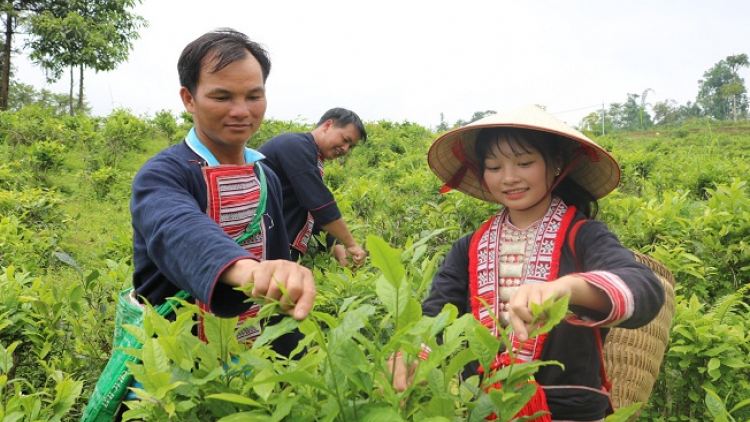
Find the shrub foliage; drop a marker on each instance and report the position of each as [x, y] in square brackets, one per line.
[65, 254]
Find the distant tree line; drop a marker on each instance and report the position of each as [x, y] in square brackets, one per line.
[98, 34]
[67, 35]
[443, 126]
[722, 95]
[21, 95]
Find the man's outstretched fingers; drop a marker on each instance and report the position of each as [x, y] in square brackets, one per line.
[293, 288]
[285, 282]
[260, 279]
[305, 301]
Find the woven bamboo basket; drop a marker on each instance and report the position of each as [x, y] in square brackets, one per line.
[632, 357]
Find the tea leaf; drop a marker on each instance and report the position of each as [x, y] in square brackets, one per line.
[623, 414]
[714, 404]
[234, 398]
[386, 259]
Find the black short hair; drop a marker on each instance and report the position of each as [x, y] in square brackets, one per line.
[226, 46]
[342, 117]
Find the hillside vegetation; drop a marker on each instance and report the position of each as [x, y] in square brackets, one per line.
[65, 254]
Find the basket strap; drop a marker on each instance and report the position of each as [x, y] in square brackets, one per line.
[606, 383]
[572, 241]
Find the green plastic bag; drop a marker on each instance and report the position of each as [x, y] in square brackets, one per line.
[116, 378]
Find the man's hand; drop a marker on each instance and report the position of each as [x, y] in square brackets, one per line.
[267, 279]
[339, 230]
[339, 253]
[357, 253]
[354, 251]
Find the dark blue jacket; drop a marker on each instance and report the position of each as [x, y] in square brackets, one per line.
[294, 159]
[176, 245]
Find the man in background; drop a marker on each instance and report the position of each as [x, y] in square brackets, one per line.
[309, 206]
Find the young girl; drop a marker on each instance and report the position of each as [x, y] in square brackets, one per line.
[548, 177]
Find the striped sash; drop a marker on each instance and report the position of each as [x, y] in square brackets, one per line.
[236, 196]
[303, 237]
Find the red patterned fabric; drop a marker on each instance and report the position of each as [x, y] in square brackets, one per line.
[233, 197]
[303, 237]
[542, 266]
[466, 165]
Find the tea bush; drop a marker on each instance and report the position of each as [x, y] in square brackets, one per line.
[343, 376]
[165, 122]
[36, 208]
[708, 351]
[28, 126]
[122, 132]
[65, 234]
[20, 245]
[102, 180]
[47, 156]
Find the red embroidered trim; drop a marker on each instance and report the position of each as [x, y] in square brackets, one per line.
[541, 267]
[233, 198]
[560, 240]
[303, 237]
[473, 258]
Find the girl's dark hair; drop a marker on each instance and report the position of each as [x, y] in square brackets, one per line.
[551, 147]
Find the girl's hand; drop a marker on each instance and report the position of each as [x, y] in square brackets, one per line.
[339, 253]
[403, 376]
[521, 317]
[581, 292]
[357, 253]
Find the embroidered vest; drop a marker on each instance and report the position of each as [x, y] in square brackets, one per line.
[496, 270]
[236, 202]
[489, 270]
[303, 237]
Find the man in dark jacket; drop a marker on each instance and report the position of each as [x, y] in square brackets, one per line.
[309, 206]
[203, 210]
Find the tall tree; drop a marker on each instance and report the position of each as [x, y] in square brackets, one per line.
[592, 122]
[443, 126]
[481, 115]
[665, 112]
[736, 87]
[690, 110]
[616, 116]
[79, 34]
[13, 14]
[631, 112]
[722, 90]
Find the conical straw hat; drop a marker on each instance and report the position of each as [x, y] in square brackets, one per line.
[451, 157]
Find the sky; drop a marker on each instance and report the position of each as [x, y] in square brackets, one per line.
[413, 60]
